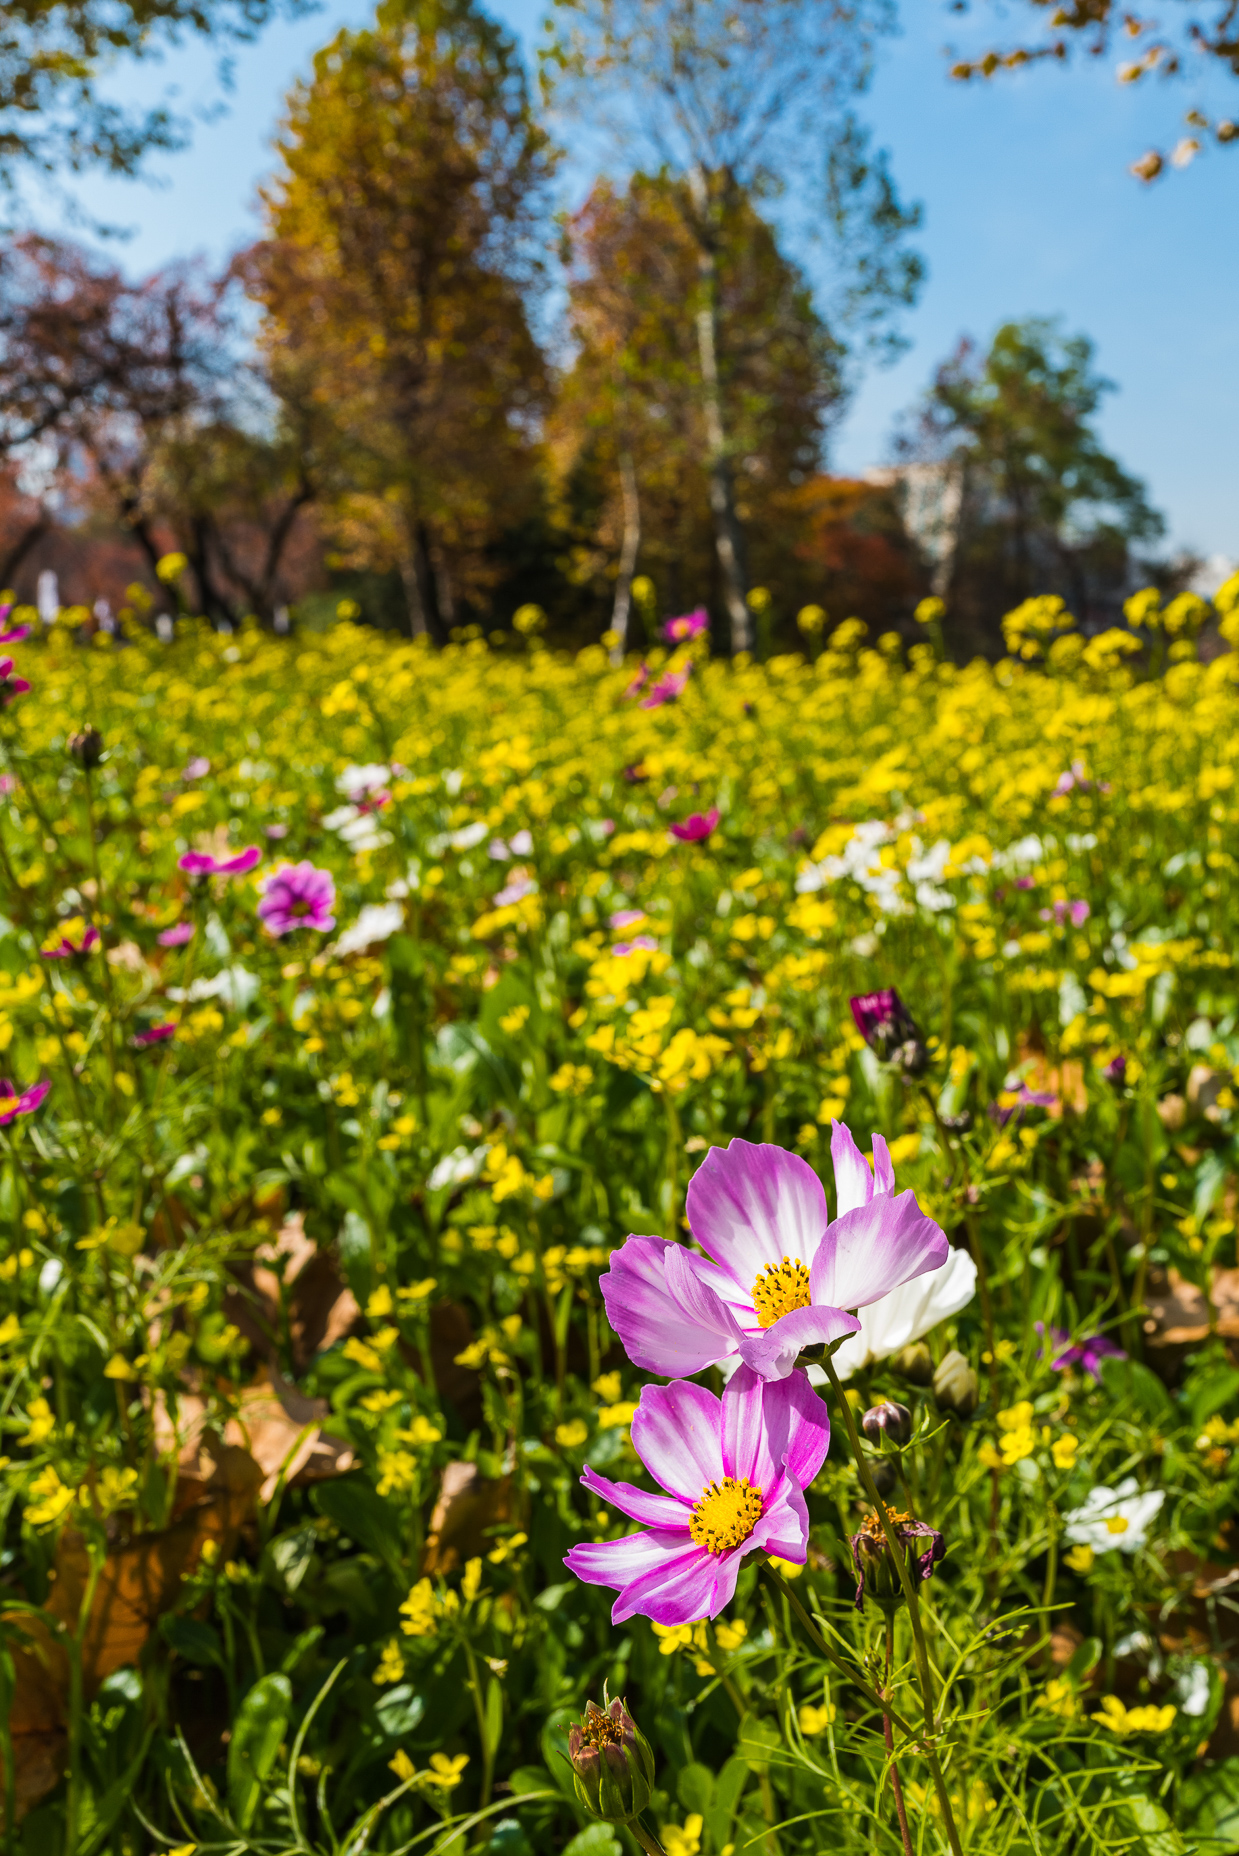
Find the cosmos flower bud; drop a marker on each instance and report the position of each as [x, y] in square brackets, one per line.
[915, 1364]
[876, 1568]
[890, 1031]
[894, 1422]
[955, 1386]
[612, 1764]
[86, 747]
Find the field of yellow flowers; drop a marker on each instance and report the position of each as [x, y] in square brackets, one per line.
[357, 1003]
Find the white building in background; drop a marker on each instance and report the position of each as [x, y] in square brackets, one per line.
[931, 499]
[1212, 574]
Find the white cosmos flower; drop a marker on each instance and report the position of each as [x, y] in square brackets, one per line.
[1113, 1518]
[908, 1313]
[377, 921]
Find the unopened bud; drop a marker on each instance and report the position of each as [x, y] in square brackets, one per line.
[878, 1570]
[612, 1764]
[86, 747]
[955, 1386]
[914, 1363]
[890, 1031]
[894, 1422]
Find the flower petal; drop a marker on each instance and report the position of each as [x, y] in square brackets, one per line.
[654, 1330]
[873, 1249]
[701, 1291]
[784, 1526]
[774, 1351]
[751, 1205]
[683, 1589]
[772, 1425]
[662, 1511]
[677, 1433]
[618, 1562]
[853, 1179]
[908, 1312]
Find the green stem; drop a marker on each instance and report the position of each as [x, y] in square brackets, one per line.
[889, 1736]
[833, 1656]
[899, 1559]
[646, 1838]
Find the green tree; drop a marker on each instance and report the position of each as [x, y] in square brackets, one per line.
[1039, 504]
[629, 434]
[399, 252]
[734, 99]
[52, 53]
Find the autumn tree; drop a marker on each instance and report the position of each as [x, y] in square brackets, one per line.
[138, 402]
[630, 427]
[1042, 507]
[734, 99]
[53, 115]
[400, 245]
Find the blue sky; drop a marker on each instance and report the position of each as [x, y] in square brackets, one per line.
[1029, 209]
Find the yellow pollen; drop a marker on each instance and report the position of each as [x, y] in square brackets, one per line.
[779, 1288]
[726, 1514]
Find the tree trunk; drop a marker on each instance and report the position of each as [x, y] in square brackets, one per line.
[728, 540]
[419, 587]
[628, 557]
[411, 582]
[21, 548]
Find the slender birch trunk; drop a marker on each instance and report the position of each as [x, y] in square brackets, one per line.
[629, 551]
[728, 540]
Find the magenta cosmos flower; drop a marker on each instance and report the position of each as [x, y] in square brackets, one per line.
[697, 827]
[669, 688]
[734, 1469]
[199, 863]
[70, 938]
[298, 896]
[14, 1103]
[177, 935]
[779, 1275]
[1087, 1353]
[689, 625]
[155, 1034]
[17, 633]
[10, 686]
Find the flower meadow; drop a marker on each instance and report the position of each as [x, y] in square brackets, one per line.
[710, 1184]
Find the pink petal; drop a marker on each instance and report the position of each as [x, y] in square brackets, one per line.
[751, 1205]
[873, 1249]
[693, 1585]
[677, 1433]
[883, 1166]
[653, 1329]
[698, 1288]
[618, 1562]
[853, 1180]
[662, 1511]
[784, 1526]
[774, 1351]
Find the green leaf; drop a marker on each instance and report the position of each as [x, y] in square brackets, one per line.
[695, 1788]
[197, 1642]
[594, 1840]
[1209, 1809]
[260, 1725]
[1126, 1381]
[359, 1511]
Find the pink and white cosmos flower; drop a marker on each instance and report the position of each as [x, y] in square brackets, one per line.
[734, 1469]
[778, 1275]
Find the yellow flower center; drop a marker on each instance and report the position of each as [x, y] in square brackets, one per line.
[1117, 1524]
[779, 1288]
[726, 1514]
